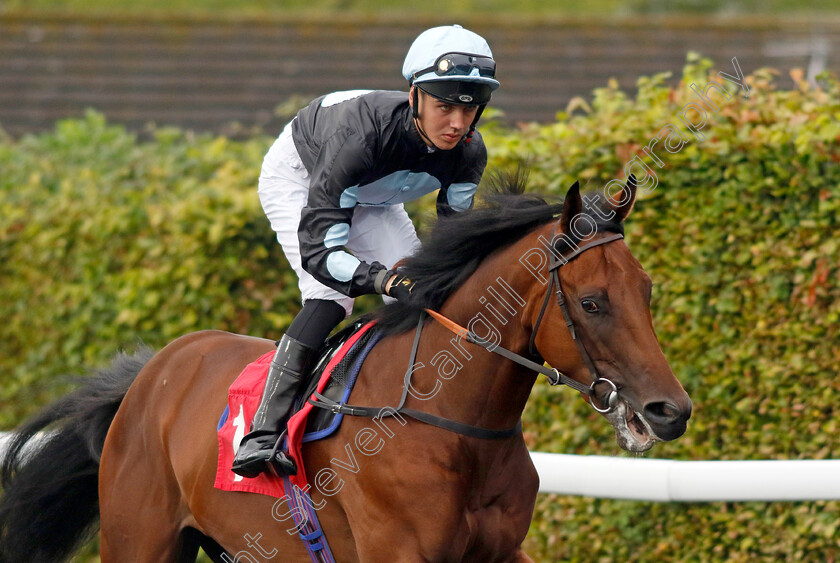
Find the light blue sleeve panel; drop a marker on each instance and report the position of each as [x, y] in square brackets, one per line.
[460, 196]
[399, 186]
[342, 265]
[349, 197]
[337, 235]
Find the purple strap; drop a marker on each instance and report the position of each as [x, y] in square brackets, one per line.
[307, 523]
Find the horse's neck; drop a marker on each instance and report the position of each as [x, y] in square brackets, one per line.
[476, 386]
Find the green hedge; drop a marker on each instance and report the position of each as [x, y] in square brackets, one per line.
[106, 240]
[740, 239]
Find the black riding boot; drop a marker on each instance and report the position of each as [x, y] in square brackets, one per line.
[288, 367]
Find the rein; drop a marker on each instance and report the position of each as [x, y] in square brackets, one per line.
[554, 376]
[319, 400]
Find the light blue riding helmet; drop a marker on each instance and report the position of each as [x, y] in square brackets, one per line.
[452, 64]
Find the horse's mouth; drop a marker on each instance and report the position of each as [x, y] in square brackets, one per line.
[632, 432]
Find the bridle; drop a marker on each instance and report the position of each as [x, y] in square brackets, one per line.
[554, 279]
[554, 376]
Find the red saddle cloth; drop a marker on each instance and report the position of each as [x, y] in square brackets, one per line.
[243, 401]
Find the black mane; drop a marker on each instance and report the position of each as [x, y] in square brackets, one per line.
[458, 244]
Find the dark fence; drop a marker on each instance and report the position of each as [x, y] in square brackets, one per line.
[206, 75]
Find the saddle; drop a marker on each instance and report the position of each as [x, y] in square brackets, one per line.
[332, 376]
[321, 422]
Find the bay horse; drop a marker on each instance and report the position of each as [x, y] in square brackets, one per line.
[135, 448]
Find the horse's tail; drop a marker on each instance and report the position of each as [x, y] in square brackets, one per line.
[49, 473]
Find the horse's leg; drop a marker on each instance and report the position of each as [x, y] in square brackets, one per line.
[427, 504]
[139, 500]
[165, 453]
[170, 547]
[392, 514]
[143, 543]
[191, 541]
[161, 448]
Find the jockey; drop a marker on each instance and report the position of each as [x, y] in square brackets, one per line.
[333, 186]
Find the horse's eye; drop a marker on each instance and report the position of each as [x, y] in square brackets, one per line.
[590, 306]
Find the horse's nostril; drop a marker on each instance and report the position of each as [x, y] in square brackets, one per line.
[667, 420]
[662, 413]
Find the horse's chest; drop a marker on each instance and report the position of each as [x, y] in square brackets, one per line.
[497, 519]
[493, 534]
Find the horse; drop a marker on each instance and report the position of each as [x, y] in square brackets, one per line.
[134, 450]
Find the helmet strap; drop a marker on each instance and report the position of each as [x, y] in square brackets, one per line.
[415, 111]
[469, 135]
[423, 133]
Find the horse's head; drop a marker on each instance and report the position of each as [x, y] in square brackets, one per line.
[607, 300]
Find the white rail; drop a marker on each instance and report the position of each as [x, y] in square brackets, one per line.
[665, 480]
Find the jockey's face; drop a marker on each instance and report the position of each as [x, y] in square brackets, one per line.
[443, 123]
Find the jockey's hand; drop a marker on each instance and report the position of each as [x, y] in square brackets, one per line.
[399, 287]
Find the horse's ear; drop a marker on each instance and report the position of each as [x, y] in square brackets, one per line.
[628, 195]
[572, 205]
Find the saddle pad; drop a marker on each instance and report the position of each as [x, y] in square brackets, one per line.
[321, 422]
[244, 400]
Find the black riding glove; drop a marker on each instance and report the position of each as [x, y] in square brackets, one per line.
[401, 287]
